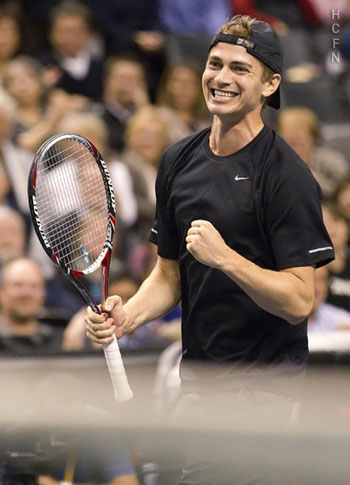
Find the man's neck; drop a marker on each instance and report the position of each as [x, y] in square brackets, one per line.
[227, 137]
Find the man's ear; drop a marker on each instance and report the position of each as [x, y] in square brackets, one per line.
[271, 85]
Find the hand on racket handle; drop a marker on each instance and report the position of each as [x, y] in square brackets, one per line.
[101, 328]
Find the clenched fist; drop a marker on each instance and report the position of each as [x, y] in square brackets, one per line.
[205, 244]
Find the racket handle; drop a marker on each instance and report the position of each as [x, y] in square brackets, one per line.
[122, 390]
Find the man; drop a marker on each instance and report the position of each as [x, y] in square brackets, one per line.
[124, 92]
[22, 297]
[238, 227]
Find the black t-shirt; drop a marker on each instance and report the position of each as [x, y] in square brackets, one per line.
[265, 203]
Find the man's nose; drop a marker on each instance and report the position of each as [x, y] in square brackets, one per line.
[224, 76]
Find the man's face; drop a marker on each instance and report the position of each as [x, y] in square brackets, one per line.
[22, 290]
[231, 81]
[124, 81]
[69, 34]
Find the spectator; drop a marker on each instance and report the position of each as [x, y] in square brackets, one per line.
[325, 317]
[10, 35]
[37, 114]
[133, 26]
[124, 92]
[22, 297]
[342, 198]
[12, 235]
[146, 136]
[339, 268]
[300, 127]
[181, 102]
[15, 161]
[71, 65]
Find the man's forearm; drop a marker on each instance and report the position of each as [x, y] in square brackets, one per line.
[285, 294]
[156, 296]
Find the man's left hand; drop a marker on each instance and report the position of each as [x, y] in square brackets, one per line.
[205, 244]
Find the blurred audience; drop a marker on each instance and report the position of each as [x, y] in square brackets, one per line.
[37, 111]
[146, 137]
[181, 102]
[22, 295]
[14, 161]
[124, 92]
[342, 198]
[324, 316]
[70, 64]
[300, 127]
[12, 235]
[339, 268]
[10, 35]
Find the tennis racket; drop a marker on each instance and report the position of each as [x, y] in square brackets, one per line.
[72, 207]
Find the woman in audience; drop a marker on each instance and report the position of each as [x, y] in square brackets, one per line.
[180, 100]
[37, 114]
[146, 137]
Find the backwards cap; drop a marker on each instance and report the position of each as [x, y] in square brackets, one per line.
[264, 44]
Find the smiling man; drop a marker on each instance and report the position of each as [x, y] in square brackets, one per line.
[239, 232]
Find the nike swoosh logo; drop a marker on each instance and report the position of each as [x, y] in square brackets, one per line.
[237, 177]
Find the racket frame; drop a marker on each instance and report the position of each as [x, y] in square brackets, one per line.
[104, 257]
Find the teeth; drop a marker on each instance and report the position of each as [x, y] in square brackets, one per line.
[223, 94]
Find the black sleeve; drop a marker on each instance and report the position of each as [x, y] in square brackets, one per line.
[164, 232]
[293, 216]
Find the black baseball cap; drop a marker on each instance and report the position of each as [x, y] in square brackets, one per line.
[265, 45]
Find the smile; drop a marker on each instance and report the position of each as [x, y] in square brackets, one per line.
[218, 93]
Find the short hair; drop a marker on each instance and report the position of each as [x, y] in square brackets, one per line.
[147, 115]
[126, 57]
[72, 9]
[85, 122]
[241, 25]
[302, 116]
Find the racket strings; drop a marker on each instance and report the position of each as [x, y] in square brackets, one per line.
[72, 205]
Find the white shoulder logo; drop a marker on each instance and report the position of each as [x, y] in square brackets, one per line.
[237, 177]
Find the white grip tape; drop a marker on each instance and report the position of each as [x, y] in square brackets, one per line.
[122, 391]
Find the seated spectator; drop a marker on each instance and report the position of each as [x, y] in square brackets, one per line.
[124, 92]
[342, 199]
[70, 65]
[300, 127]
[22, 297]
[10, 35]
[325, 317]
[180, 101]
[94, 129]
[339, 268]
[12, 235]
[14, 161]
[37, 112]
[146, 136]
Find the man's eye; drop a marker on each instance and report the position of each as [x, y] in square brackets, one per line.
[214, 64]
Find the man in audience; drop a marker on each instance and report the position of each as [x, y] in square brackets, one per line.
[71, 65]
[124, 92]
[300, 128]
[12, 234]
[325, 317]
[22, 297]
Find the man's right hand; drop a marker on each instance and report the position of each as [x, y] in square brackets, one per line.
[101, 328]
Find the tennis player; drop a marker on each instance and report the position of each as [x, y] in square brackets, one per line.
[238, 227]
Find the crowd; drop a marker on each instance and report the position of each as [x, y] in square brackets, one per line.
[127, 76]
